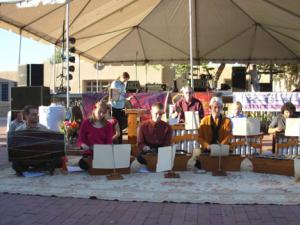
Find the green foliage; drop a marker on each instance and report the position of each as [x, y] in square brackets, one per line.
[287, 72]
[56, 58]
[181, 70]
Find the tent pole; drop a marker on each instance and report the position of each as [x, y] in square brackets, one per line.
[191, 43]
[53, 69]
[67, 51]
[97, 68]
[20, 48]
[79, 74]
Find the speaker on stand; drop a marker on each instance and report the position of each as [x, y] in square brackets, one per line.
[238, 78]
[31, 75]
[21, 96]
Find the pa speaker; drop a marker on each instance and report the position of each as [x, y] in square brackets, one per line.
[266, 87]
[200, 84]
[21, 96]
[238, 78]
[31, 75]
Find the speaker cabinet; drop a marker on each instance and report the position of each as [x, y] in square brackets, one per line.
[266, 87]
[21, 96]
[238, 78]
[31, 75]
[200, 84]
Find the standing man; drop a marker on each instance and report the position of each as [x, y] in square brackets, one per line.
[118, 102]
[153, 133]
[187, 103]
[255, 77]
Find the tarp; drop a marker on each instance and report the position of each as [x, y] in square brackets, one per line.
[157, 31]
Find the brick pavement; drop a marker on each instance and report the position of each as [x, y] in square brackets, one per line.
[38, 210]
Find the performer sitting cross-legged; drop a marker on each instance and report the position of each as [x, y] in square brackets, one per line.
[214, 128]
[95, 130]
[187, 103]
[153, 133]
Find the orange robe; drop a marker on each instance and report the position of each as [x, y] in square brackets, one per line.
[206, 133]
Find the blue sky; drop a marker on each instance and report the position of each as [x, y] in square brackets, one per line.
[31, 52]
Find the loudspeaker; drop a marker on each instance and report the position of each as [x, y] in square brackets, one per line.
[155, 87]
[200, 84]
[21, 96]
[133, 86]
[238, 78]
[31, 75]
[225, 87]
[265, 87]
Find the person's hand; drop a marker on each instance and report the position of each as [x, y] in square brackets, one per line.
[178, 109]
[84, 147]
[146, 148]
[129, 98]
[278, 129]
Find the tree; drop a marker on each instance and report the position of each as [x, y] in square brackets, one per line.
[287, 72]
[56, 58]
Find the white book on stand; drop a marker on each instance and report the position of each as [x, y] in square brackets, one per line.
[292, 127]
[245, 126]
[219, 150]
[165, 158]
[191, 120]
[111, 156]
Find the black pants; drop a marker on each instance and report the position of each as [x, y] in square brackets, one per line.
[119, 114]
[49, 165]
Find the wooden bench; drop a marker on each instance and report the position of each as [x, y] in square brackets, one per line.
[228, 163]
[93, 171]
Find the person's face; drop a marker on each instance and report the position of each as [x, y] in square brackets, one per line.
[237, 110]
[216, 109]
[100, 113]
[287, 114]
[156, 114]
[19, 117]
[33, 116]
[187, 94]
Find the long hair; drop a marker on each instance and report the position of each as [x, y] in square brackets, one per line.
[99, 105]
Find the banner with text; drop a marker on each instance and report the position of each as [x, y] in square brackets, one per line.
[266, 101]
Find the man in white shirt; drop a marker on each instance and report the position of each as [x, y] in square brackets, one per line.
[255, 77]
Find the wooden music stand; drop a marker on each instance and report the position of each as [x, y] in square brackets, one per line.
[219, 171]
[171, 173]
[114, 175]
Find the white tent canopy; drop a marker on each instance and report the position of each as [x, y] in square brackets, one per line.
[157, 31]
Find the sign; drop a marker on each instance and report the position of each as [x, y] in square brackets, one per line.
[266, 101]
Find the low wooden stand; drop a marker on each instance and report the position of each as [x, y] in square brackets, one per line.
[273, 166]
[172, 174]
[114, 176]
[229, 163]
[93, 171]
[180, 162]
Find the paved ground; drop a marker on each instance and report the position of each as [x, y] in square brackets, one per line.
[37, 210]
